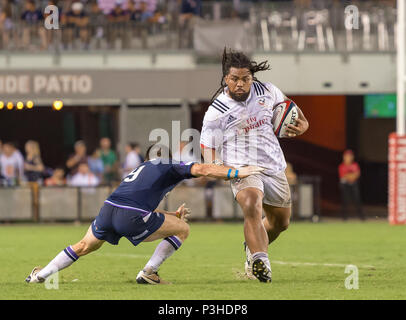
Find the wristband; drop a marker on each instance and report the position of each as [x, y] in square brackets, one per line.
[236, 174]
[229, 173]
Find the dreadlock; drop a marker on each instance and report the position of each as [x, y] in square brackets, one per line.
[237, 59]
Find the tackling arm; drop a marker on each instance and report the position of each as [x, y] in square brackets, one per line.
[223, 172]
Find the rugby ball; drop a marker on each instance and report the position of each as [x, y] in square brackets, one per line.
[285, 113]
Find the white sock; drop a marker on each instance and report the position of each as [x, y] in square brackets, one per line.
[263, 256]
[248, 253]
[63, 260]
[162, 252]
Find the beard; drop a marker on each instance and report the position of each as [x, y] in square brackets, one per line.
[239, 96]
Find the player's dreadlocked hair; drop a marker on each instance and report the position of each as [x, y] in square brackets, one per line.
[237, 59]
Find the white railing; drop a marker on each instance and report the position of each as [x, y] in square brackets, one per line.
[278, 27]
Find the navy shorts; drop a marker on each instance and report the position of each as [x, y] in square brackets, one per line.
[113, 222]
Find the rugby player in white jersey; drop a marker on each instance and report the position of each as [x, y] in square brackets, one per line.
[237, 131]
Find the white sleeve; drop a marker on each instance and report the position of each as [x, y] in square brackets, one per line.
[277, 94]
[212, 133]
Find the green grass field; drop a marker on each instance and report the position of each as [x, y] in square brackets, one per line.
[308, 262]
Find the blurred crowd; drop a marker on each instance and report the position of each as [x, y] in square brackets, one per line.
[22, 21]
[83, 168]
[103, 23]
[101, 167]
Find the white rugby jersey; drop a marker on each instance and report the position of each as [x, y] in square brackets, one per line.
[242, 132]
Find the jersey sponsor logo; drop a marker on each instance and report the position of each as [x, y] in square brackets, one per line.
[261, 101]
[231, 119]
[254, 124]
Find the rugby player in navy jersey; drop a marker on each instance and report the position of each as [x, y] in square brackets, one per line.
[130, 211]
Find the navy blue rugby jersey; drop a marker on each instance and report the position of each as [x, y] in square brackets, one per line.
[145, 187]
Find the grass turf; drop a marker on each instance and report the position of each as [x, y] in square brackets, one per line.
[209, 264]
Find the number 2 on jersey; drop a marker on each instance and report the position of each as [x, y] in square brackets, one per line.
[134, 174]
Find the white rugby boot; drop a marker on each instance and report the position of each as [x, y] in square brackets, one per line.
[248, 263]
[149, 277]
[33, 277]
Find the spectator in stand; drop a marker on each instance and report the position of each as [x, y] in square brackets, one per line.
[141, 13]
[118, 14]
[84, 177]
[57, 179]
[350, 173]
[151, 5]
[109, 159]
[132, 159]
[12, 165]
[118, 25]
[190, 9]
[96, 164]
[32, 20]
[6, 24]
[77, 24]
[97, 21]
[106, 6]
[77, 158]
[138, 150]
[33, 166]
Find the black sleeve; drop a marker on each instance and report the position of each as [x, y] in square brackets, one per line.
[183, 169]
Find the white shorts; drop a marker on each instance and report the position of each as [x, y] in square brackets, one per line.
[274, 187]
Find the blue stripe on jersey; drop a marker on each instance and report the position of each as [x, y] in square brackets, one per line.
[217, 108]
[221, 103]
[263, 87]
[260, 89]
[215, 102]
[256, 88]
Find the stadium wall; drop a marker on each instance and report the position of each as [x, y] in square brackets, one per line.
[96, 77]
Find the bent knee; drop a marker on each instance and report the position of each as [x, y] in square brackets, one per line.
[82, 248]
[184, 231]
[252, 208]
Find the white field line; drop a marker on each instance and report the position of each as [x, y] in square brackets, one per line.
[123, 255]
[316, 264]
[305, 264]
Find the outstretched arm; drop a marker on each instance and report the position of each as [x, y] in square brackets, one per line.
[223, 172]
